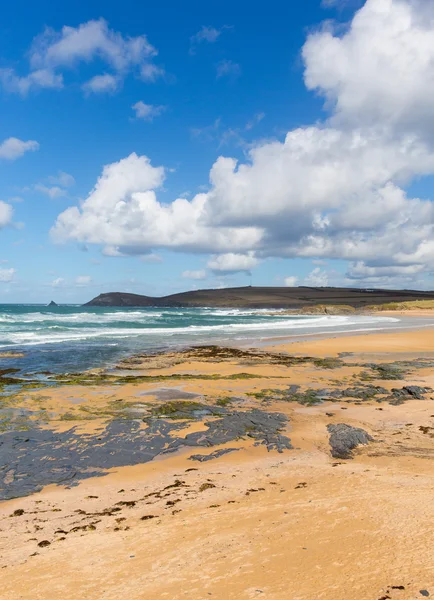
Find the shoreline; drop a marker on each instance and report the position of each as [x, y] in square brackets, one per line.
[353, 333]
[273, 490]
[35, 357]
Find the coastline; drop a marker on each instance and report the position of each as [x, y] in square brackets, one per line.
[292, 506]
[415, 326]
[70, 339]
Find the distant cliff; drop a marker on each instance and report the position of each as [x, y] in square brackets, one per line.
[122, 299]
[264, 297]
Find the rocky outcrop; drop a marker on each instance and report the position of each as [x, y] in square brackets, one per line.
[39, 457]
[119, 299]
[213, 455]
[344, 438]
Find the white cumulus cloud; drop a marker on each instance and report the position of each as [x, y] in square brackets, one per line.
[380, 71]
[360, 271]
[233, 263]
[7, 275]
[41, 78]
[290, 281]
[6, 212]
[101, 84]
[122, 211]
[52, 52]
[228, 68]
[206, 35]
[333, 190]
[147, 112]
[317, 278]
[201, 274]
[55, 186]
[62, 179]
[112, 251]
[52, 192]
[82, 280]
[58, 282]
[151, 257]
[14, 148]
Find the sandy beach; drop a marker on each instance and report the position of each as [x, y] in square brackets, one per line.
[277, 513]
[217, 300]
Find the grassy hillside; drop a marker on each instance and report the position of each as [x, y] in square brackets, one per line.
[270, 297]
[412, 305]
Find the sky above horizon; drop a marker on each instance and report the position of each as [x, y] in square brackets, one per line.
[154, 148]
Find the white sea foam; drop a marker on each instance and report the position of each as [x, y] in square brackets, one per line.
[62, 334]
[240, 312]
[80, 317]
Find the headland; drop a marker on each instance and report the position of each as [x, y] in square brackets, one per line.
[266, 297]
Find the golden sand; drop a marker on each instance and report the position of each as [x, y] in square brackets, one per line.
[293, 526]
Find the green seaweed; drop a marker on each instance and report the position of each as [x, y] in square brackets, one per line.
[328, 363]
[206, 486]
[73, 417]
[104, 413]
[4, 372]
[179, 409]
[225, 401]
[104, 379]
[308, 398]
[385, 372]
[32, 385]
[267, 394]
[14, 424]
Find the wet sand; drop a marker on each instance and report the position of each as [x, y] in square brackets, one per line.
[253, 523]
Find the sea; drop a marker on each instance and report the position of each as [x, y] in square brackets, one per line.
[72, 338]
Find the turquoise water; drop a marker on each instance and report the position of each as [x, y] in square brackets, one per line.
[67, 338]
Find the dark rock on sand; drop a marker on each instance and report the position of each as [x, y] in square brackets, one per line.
[416, 391]
[379, 393]
[213, 455]
[408, 392]
[362, 392]
[261, 426]
[40, 457]
[257, 424]
[344, 438]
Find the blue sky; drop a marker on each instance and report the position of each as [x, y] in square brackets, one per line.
[209, 80]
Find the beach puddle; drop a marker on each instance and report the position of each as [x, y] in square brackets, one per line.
[167, 394]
